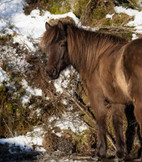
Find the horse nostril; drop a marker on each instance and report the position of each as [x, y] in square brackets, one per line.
[51, 72]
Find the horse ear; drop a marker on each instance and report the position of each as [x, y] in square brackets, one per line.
[47, 25]
[60, 25]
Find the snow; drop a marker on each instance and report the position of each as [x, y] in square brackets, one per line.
[58, 85]
[134, 36]
[9, 8]
[70, 121]
[109, 16]
[25, 99]
[3, 76]
[26, 30]
[31, 141]
[9, 54]
[137, 22]
[29, 92]
[62, 81]
[27, 27]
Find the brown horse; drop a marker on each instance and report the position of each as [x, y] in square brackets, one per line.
[109, 66]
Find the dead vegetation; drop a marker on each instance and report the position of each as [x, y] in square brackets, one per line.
[15, 119]
[92, 13]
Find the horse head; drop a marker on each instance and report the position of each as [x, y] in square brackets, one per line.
[57, 49]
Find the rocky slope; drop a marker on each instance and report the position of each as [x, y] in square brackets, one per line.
[42, 119]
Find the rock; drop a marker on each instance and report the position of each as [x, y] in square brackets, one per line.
[50, 142]
[65, 144]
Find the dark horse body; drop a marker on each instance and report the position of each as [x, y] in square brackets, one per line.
[109, 66]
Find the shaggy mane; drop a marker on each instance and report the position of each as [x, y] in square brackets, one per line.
[50, 36]
[84, 47]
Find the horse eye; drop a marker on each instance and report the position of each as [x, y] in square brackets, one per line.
[63, 45]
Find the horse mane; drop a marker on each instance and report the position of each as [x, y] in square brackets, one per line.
[86, 47]
[50, 36]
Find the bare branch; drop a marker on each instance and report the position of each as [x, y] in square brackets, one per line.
[82, 108]
[8, 128]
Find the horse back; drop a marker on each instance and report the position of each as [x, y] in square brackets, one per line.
[133, 57]
[120, 74]
[112, 76]
[133, 66]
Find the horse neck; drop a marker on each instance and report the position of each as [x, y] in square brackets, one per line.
[85, 49]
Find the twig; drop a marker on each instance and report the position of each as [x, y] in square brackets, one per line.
[126, 21]
[8, 128]
[82, 108]
[118, 28]
[84, 10]
[78, 105]
[134, 5]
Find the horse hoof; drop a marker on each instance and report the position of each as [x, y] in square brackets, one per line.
[139, 153]
[120, 155]
[119, 160]
[102, 156]
[96, 158]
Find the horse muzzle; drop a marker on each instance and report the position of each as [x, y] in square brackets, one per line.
[53, 73]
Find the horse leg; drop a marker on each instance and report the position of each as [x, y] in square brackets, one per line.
[140, 138]
[130, 132]
[99, 110]
[101, 132]
[117, 119]
[138, 115]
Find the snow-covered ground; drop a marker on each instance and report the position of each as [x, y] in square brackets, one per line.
[32, 141]
[3, 76]
[26, 142]
[137, 22]
[29, 28]
[26, 30]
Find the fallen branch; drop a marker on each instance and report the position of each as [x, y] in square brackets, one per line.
[118, 28]
[8, 128]
[135, 6]
[82, 108]
[84, 11]
[125, 22]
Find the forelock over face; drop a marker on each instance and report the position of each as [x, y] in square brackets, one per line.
[52, 35]
[54, 42]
